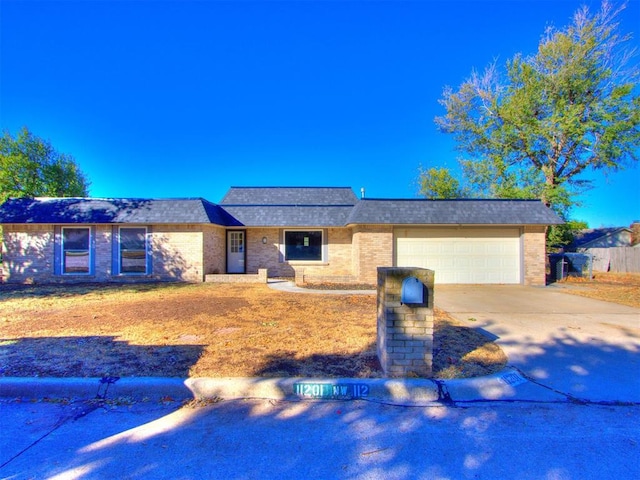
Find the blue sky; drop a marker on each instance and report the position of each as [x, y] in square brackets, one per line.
[185, 99]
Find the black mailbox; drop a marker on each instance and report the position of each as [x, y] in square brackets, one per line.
[412, 291]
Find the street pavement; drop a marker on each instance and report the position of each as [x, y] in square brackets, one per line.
[567, 407]
[262, 439]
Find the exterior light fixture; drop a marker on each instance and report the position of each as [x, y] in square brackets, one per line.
[264, 240]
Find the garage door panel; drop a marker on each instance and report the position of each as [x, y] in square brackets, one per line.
[496, 249]
[462, 255]
[460, 248]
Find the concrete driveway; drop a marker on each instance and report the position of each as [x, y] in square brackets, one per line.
[582, 348]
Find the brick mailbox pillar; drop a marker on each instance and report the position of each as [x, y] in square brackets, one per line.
[405, 321]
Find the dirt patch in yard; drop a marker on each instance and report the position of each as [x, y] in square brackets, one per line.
[209, 330]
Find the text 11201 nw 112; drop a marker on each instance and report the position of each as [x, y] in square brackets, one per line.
[330, 390]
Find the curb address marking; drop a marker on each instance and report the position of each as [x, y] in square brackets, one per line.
[331, 390]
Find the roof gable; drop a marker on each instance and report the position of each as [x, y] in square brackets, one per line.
[602, 237]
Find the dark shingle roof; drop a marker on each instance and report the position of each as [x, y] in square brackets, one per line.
[289, 196]
[452, 212]
[290, 215]
[585, 237]
[290, 206]
[266, 207]
[113, 210]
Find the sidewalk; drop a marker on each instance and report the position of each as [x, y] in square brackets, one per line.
[289, 286]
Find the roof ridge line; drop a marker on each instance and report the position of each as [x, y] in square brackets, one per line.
[452, 199]
[114, 198]
[262, 205]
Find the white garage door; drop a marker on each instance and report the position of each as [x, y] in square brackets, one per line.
[462, 255]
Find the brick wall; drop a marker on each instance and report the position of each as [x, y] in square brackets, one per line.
[103, 253]
[404, 332]
[177, 254]
[260, 277]
[534, 253]
[337, 268]
[27, 253]
[265, 255]
[372, 248]
[214, 255]
[189, 252]
[269, 256]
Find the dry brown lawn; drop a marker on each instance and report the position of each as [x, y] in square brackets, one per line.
[622, 288]
[209, 330]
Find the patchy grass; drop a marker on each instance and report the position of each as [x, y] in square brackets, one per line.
[622, 288]
[209, 330]
[461, 351]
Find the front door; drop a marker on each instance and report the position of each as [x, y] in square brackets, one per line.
[235, 251]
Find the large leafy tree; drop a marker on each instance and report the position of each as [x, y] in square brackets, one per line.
[438, 183]
[535, 127]
[31, 167]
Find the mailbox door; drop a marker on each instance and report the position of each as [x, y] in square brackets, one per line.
[412, 291]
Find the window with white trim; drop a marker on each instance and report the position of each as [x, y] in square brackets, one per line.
[133, 250]
[76, 250]
[303, 245]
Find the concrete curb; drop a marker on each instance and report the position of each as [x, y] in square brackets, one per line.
[150, 388]
[137, 388]
[505, 385]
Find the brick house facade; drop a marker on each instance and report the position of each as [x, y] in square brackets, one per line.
[312, 234]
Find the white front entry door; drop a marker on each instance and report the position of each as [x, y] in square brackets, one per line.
[235, 251]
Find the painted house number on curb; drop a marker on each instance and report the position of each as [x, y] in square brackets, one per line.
[330, 390]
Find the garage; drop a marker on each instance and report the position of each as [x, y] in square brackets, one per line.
[462, 255]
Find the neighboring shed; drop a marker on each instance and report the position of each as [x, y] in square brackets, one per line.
[601, 238]
[610, 249]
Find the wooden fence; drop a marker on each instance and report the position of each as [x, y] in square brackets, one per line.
[615, 259]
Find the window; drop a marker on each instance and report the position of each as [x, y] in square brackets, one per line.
[133, 250]
[303, 245]
[76, 251]
[236, 240]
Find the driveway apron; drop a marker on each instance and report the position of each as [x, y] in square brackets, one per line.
[583, 348]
